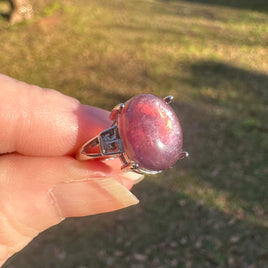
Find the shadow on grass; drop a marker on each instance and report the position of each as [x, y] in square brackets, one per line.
[257, 5]
[225, 83]
[167, 229]
[226, 132]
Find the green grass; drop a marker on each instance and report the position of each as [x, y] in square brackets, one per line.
[209, 210]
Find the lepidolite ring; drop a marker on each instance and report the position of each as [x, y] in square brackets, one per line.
[145, 134]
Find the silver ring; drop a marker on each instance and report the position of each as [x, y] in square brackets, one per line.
[145, 134]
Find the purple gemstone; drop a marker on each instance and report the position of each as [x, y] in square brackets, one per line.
[150, 132]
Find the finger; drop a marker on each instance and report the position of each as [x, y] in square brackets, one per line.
[40, 192]
[44, 122]
[42, 187]
[64, 169]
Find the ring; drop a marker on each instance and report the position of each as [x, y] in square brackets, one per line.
[145, 134]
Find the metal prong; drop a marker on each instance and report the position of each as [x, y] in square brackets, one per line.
[183, 155]
[130, 166]
[121, 106]
[168, 99]
[116, 111]
[135, 166]
[127, 167]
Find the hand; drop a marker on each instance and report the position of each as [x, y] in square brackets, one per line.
[40, 181]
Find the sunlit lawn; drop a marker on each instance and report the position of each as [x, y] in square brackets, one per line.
[212, 56]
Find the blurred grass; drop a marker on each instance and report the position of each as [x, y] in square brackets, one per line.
[209, 210]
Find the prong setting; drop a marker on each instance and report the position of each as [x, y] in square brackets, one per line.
[126, 134]
[183, 155]
[168, 99]
[121, 106]
[116, 111]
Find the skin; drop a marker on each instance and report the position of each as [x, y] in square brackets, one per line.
[41, 183]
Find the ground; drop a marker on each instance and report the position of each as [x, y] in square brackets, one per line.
[209, 210]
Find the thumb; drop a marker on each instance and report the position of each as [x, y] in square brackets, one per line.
[37, 193]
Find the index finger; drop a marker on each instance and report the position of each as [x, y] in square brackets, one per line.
[44, 122]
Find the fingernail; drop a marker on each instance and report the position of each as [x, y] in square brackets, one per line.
[134, 176]
[90, 197]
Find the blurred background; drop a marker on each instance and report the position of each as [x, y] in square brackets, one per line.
[207, 211]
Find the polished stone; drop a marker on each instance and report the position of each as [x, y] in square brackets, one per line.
[150, 132]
